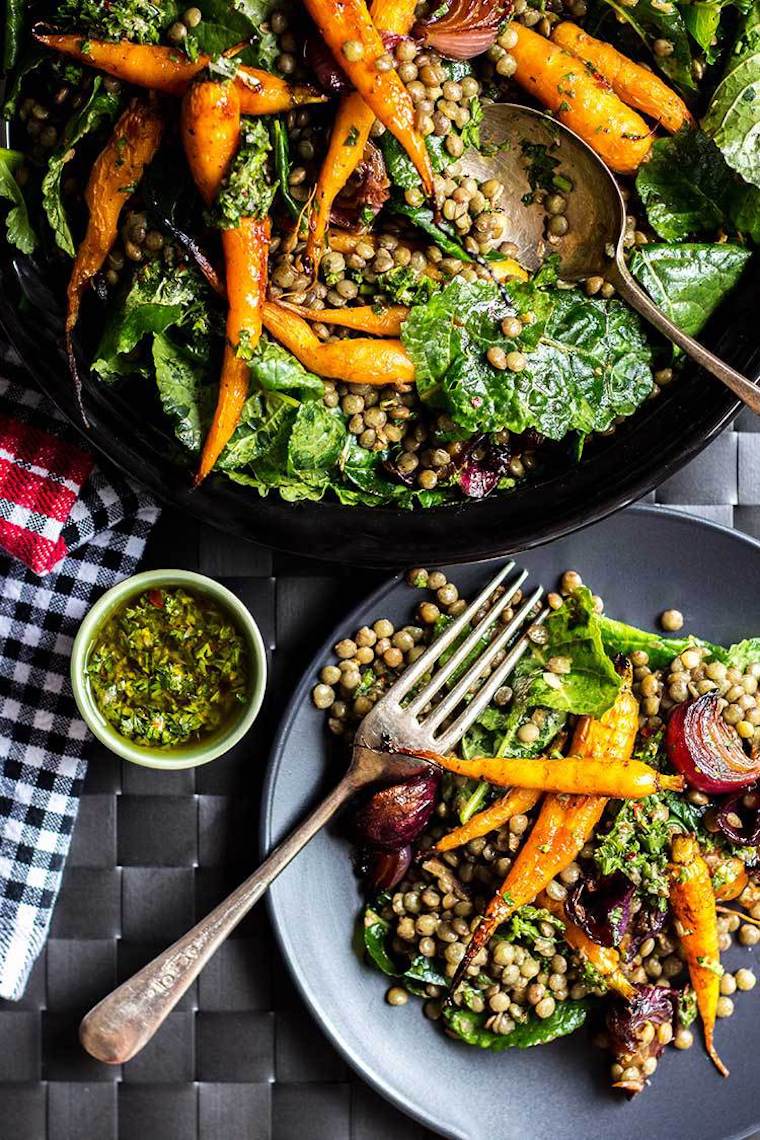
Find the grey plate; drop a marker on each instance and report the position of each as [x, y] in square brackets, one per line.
[641, 561]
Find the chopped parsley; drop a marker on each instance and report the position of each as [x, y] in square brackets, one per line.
[168, 667]
[352, 137]
[140, 21]
[249, 189]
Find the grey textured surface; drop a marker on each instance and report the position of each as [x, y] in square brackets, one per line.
[240, 1059]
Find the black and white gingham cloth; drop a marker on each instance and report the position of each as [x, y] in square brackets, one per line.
[42, 737]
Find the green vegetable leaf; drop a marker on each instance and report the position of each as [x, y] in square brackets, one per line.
[621, 638]
[733, 116]
[226, 24]
[743, 654]
[689, 281]
[574, 633]
[282, 165]
[17, 225]
[442, 233]
[687, 189]
[99, 110]
[277, 370]
[471, 1027]
[377, 937]
[653, 20]
[186, 396]
[156, 300]
[587, 360]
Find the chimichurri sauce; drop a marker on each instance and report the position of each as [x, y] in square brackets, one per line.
[168, 667]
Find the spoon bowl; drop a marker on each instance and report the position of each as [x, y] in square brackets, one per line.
[595, 211]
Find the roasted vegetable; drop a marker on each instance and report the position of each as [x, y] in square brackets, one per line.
[577, 774]
[635, 85]
[374, 319]
[169, 71]
[211, 135]
[115, 173]
[605, 959]
[465, 28]
[564, 823]
[581, 100]
[350, 135]
[394, 816]
[693, 904]
[498, 813]
[631, 1042]
[356, 43]
[356, 361]
[708, 752]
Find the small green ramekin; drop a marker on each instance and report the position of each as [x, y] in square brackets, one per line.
[191, 755]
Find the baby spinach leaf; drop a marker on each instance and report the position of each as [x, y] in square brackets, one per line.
[687, 189]
[17, 225]
[377, 938]
[99, 110]
[185, 394]
[689, 281]
[733, 116]
[652, 20]
[471, 1027]
[587, 360]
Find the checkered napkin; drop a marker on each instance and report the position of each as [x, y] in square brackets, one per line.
[68, 532]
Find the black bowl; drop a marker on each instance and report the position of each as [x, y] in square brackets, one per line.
[126, 425]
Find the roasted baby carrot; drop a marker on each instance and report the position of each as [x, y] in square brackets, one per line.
[635, 85]
[169, 71]
[605, 959]
[732, 881]
[579, 775]
[211, 136]
[581, 99]
[516, 802]
[357, 360]
[564, 823]
[115, 172]
[349, 32]
[693, 904]
[374, 319]
[350, 134]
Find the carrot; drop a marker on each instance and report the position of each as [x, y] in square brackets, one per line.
[356, 361]
[635, 85]
[579, 775]
[693, 904]
[374, 319]
[168, 70]
[564, 823]
[581, 100]
[349, 32]
[516, 802]
[605, 959]
[350, 134]
[211, 135]
[117, 168]
[728, 874]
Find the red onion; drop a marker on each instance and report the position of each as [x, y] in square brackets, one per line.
[706, 750]
[625, 1021]
[602, 907]
[739, 820]
[395, 816]
[467, 28]
[368, 188]
[387, 868]
[479, 476]
[321, 61]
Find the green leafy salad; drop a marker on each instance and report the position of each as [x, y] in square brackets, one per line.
[377, 340]
[517, 913]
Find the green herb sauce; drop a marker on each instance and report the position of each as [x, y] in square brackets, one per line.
[168, 667]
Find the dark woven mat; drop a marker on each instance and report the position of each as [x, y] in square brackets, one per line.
[240, 1059]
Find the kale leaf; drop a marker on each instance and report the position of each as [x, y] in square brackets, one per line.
[471, 1028]
[687, 189]
[689, 281]
[587, 360]
[99, 110]
[186, 396]
[18, 228]
[733, 116]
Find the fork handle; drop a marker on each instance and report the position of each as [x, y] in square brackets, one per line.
[124, 1021]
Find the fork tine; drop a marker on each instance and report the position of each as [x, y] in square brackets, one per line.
[484, 696]
[478, 667]
[461, 654]
[412, 675]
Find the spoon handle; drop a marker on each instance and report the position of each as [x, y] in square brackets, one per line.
[124, 1021]
[631, 291]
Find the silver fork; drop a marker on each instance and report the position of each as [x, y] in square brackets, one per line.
[404, 718]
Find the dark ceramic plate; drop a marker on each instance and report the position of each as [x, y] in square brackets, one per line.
[640, 561]
[127, 425]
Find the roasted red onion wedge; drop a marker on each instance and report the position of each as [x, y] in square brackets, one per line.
[738, 817]
[395, 816]
[706, 750]
[387, 868]
[466, 29]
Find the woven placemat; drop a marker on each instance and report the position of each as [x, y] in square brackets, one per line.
[240, 1059]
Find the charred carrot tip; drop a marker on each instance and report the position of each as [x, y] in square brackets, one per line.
[713, 1055]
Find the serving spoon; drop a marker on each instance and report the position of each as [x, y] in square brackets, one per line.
[593, 244]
